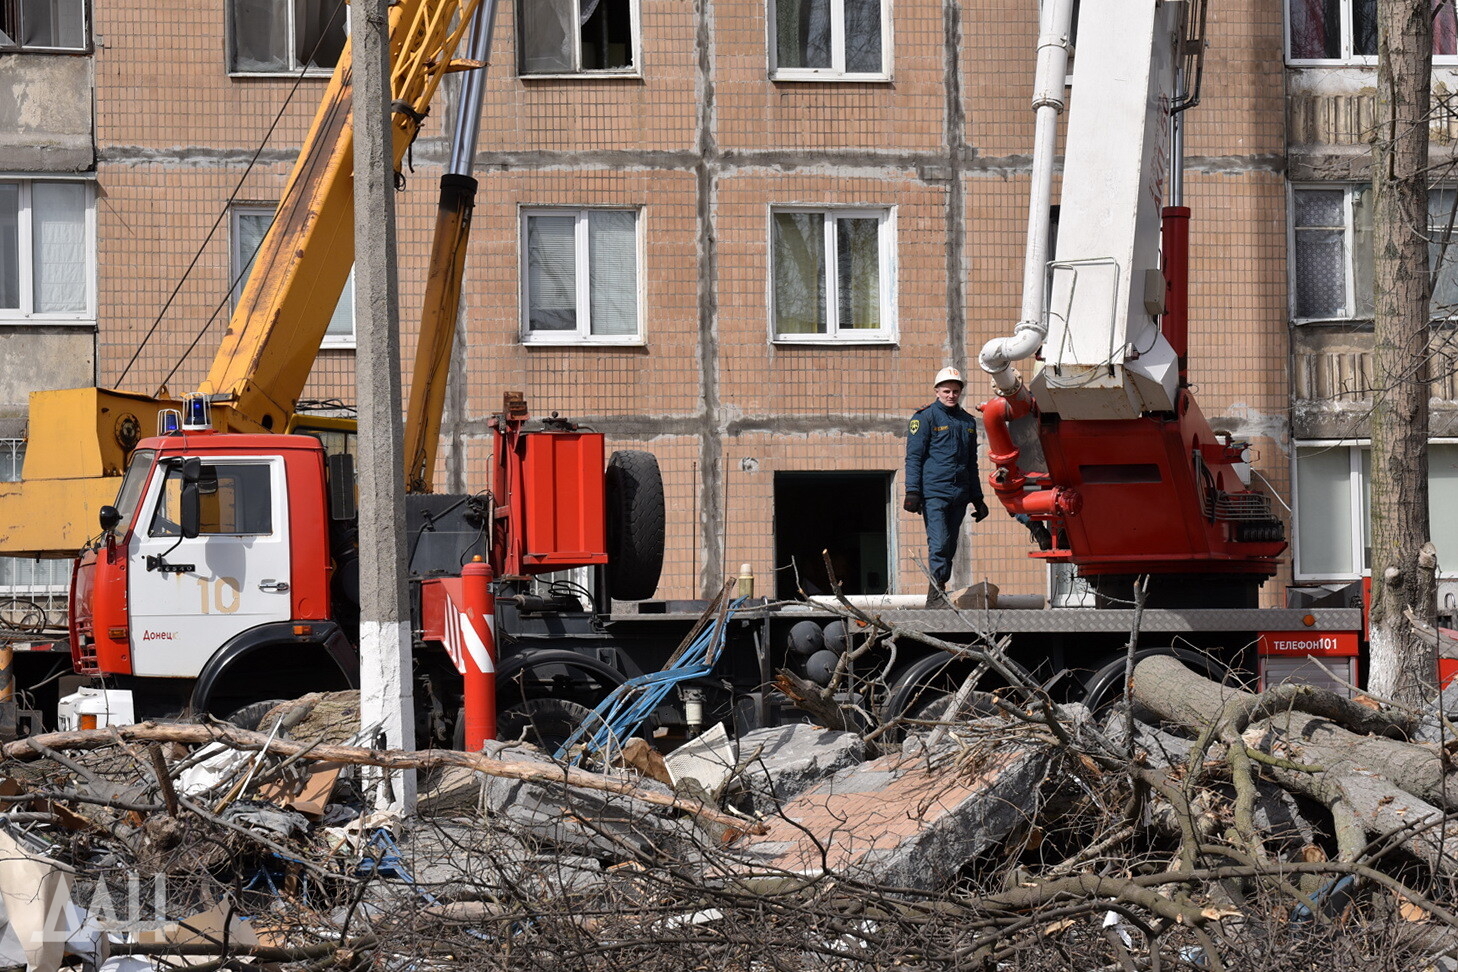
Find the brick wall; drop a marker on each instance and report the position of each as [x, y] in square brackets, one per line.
[702, 145]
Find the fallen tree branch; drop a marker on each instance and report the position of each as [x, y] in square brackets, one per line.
[33, 747]
[263, 953]
[1412, 778]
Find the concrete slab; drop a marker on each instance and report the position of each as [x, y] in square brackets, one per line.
[899, 821]
[783, 761]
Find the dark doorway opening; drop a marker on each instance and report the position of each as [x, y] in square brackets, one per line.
[843, 513]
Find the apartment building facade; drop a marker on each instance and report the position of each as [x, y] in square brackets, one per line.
[48, 297]
[743, 236]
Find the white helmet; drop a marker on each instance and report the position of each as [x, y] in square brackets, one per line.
[948, 374]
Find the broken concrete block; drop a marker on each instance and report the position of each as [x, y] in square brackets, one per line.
[900, 822]
[591, 822]
[783, 761]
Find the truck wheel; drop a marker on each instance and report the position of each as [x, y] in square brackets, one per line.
[923, 691]
[546, 723]
[250, 716]
[1105, 687]
[635, 517]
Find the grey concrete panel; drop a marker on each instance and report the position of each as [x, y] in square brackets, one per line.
[46, 122]
[44, 359]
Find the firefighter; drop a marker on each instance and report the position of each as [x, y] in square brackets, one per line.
[941, 475]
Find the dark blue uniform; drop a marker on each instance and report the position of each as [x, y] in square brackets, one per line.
[941, 466]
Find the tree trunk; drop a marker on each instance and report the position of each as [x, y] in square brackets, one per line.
[1402, 667]
[1373, 787]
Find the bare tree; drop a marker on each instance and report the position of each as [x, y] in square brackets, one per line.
[1403, 565]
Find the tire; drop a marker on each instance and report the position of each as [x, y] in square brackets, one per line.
[635, 518]
[250, 716]
[1104, 688]
[546, 723]
[922, 692]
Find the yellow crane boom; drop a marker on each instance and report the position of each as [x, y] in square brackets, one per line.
[78, 440]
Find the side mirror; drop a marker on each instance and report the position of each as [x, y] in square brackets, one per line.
[190, 508]
[109, 516]
[342, 502]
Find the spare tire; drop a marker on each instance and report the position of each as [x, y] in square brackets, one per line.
[545, 722]
[635, 517]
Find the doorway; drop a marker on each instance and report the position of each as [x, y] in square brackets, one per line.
[844, 513]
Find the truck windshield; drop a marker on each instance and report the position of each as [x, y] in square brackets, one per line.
[131, 488]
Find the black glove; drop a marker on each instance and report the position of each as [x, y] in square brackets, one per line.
[912, 503]
[979, 511]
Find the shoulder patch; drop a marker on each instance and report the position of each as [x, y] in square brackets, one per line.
[915, 426]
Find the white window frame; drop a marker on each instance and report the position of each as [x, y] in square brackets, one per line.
[1356, 510]
[294, 67]
[25, 231]
[1351, 258]
[237, 260]
[886, 255]
[582, 335]
[633, 70]
[11, 45]
[837, 70]
[1346, 56]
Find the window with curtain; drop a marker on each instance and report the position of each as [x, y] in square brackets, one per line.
[275, 36]
[832, 275]
[249, 225]
[21, 575]
[577, 36]
[830, 39]
[581, 279]
[1331, 258]
[1346, 30]
[47, 250]
[1333, 527]
[44, 25]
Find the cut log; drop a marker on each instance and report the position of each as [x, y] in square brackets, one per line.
[1380, 786]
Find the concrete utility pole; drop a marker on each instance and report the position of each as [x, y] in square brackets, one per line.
[385, 683]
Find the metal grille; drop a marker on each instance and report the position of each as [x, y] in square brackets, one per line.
[32, 591]
[1332, 674]
[1220, 505]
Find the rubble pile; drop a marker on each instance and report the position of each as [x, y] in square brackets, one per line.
[1212, 829]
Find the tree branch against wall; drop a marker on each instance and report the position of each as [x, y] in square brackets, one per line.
[1403, 566]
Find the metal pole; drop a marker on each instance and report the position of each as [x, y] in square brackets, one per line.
[479, 658]
[386, 696]
[8, 715]
[473, 85]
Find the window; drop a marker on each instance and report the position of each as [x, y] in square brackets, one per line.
[235, 499]
[1332, 521]
[285, 36]
[830, 39]
[1331, 239]
[249, 225]
[577, 36]
[1332, 253]
[833, 275]
[1346, 30]
[27, 575]
[581, 280]
[47, 249]
[43, 25]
